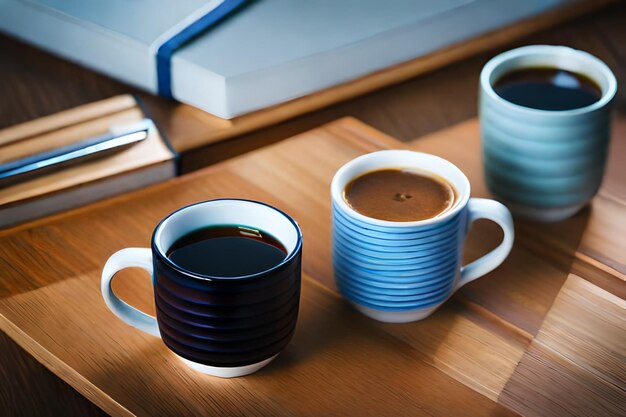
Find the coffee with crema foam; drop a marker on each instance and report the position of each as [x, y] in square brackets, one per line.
[399, 195]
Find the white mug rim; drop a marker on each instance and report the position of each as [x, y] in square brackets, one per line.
[498, 60]
[337, 193]
[157, 248]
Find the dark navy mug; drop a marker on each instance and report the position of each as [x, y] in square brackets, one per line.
[222, 326]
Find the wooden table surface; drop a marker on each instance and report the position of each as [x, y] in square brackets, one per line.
[34, 83]
[544, 334]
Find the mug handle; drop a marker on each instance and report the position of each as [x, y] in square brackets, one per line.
[482, 208]
[128, 258]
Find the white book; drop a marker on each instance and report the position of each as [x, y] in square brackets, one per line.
[266, 53]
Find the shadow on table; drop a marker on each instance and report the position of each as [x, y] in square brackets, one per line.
[523, 288]
[480, 333]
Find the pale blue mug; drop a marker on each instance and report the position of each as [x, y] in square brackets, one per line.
[545, 165]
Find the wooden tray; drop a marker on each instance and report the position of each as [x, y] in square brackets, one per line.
[143, 164]
[537, 336]
[191, 128]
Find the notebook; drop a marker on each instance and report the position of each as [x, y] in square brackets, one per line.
[261, 54]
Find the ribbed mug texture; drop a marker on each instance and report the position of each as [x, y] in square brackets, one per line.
[540, 158]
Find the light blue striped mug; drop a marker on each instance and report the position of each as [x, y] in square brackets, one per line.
[402, 271]
[545, 165]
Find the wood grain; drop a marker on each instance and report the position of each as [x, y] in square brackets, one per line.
[20, 146]
[463, 359]
[600, 275]
[66, 118]
[466, 344]
[606, 250]
[126, 372]
[71, 126]
[29, 389]
[575, 366]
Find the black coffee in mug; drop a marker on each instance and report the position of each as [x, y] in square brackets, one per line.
[546, 88]
[227, 251]
[226, 295]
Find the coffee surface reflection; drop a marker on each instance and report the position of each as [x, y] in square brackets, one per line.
[547, 89]
[227, 251]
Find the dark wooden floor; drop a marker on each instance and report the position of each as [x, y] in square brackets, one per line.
[33, 84]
